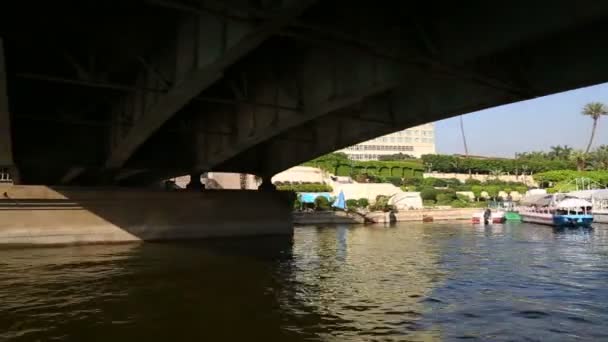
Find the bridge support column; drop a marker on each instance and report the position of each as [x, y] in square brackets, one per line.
[267, 184]
[195, 182]
[6, 143]
[72, 215]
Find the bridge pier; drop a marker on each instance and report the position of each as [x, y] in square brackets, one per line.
[195, 183]
[267, 184]
[70, 215]
[6, 143]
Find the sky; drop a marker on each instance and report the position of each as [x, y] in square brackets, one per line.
[532, 125]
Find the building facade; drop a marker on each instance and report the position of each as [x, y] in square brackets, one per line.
[414, 141]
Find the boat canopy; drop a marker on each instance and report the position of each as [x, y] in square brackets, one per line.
[309, 197]
[537, 199]
[570, 203]
[598, 194]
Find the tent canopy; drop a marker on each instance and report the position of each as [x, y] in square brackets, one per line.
[573, 203]
[309, 197]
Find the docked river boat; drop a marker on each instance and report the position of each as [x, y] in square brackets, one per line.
[557, 210]
[599, 200]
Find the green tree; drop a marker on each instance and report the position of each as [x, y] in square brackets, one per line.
[594, 110]
[599, 158]
[477, 189]
[321, 203]
[492, 191]
[496, 173]
[363, 202]
[429, 193]
[580, 158]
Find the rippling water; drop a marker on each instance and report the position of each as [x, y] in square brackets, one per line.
[412, 282]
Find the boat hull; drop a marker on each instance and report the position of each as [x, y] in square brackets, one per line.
[600, 217]
[496, 217]
[558, 220]
[512, 216]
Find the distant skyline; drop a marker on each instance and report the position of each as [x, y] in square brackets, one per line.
[531, 125]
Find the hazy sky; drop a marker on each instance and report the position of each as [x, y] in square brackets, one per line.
[526, 126]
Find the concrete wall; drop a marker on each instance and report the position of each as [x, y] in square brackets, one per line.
[526, 179]
[300, 174]
[44, 215]
[418, 215]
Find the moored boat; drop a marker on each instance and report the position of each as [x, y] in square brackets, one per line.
[599, 200]
[497, 216]
[558, 211]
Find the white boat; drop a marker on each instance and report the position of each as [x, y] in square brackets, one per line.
[558, 210]
[599, 199]
[600, 209]
[497, 216]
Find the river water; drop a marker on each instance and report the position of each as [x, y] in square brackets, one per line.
[410, 282]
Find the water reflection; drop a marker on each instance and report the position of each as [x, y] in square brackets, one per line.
[411, 282]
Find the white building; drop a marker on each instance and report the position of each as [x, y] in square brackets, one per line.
[414, 141]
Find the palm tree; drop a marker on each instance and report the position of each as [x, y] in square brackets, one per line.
[580, 158]
[560, 152]
[464, 138]
[496, 173]
[595, 110]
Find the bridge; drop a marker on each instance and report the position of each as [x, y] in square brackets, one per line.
[132, 92]
[99, 99]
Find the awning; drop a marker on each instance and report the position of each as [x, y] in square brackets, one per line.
[309, 197]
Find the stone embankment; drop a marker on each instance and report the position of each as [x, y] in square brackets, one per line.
[336, 217]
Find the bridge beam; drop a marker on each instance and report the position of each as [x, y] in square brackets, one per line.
[6, 142]
[322, 83]
[206, 45]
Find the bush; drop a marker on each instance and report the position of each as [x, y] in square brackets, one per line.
[396, 181]
[318, 187]
[463, 198]
[445, 197]
[363, 202]
[352, 203]
[436, 182]
[297, 204]
[412, 181]
[381, 204]
[322, 203]
[459, 204]
[472, 181]
[429, 193]
[428, 203]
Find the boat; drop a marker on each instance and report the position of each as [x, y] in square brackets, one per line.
[501, 212]
[511, 212]
[497, 216]
[599, 199]
[557, 210]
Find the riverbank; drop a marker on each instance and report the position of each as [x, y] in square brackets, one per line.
[338, 217]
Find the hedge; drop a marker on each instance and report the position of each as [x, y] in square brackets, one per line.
[558, 176]
[339, 165]
[306, 188]
[445, 163]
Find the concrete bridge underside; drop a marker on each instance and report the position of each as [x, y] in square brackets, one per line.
[132, 92]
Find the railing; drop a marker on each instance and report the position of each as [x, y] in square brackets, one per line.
[5, 176]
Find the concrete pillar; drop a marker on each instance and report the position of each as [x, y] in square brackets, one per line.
[267, 184]
[195, 182]
[6, 143]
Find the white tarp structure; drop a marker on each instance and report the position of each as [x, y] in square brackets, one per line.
[597, 194]
[573, 203]
[406, 200]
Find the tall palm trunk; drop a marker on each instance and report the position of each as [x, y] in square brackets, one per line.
[592, 135]
[464, 138]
